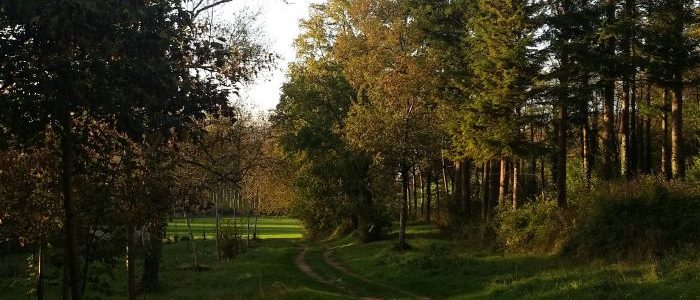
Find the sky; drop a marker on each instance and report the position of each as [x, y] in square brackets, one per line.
[279, 23]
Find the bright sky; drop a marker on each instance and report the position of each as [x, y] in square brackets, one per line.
[279, 22]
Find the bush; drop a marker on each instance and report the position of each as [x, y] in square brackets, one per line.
[538, 226]
[230, 242]
[637, 220]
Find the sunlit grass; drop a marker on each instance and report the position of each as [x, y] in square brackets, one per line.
[267, 227]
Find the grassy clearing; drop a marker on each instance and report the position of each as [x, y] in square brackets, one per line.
[268, 227]
[436, 267]
[452, 270]
[265, 271]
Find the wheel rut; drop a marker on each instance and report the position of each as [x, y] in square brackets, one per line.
[358, 292]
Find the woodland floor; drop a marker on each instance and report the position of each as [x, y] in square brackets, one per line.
[342, 268]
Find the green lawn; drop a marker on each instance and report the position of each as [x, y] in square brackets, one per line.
[436, 267]
[268, 227]
[445, 269]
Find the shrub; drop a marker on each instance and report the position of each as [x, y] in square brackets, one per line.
[230, 242]
[538, 226]
[637, 220]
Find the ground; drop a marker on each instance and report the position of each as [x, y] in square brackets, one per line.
[283, 266]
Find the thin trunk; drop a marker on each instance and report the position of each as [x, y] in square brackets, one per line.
[624, 128]
[647, 135]
[503, 182]
[677, 156]
[485, 188]
[561, 155]
[634, 134]
[516, 183]
[625, 134]
[428, 189]
[422, 193]
[666, 145]
[130, 260]
[586, 151]
[415, 191]
[466, 186]
[218, 222]
[493, 189]
[532, 177]
[444, 178]
[404, 207]
[608, 139]
[457, 186]
[543, 180]
[65, 279]
[247, 237]
[70, 222]
[437, 194]
[193, 245]
[40, 273]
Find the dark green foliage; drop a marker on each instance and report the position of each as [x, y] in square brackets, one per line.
[231, 242]
[644, 219]
[537, 227]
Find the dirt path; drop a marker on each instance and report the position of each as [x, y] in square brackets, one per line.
[353, 291]
[331, 261]
[300, 262]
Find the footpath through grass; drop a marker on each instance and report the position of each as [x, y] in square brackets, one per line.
[345, 269]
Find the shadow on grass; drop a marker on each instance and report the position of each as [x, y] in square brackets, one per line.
[443, 269]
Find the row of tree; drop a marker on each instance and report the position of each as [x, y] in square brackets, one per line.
[113, 114]
[510, 92]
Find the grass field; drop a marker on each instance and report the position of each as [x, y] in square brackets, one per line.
[444, 269]
[268, 227]
[436, 267]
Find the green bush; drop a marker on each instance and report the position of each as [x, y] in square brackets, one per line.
[538, 226]
[642, 219]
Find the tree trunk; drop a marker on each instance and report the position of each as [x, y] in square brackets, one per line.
[485, 187]
[65, 279]
[415, 191]
[493, 189]
[70, 222]
[217, 225]
[428, 188]
[586, 151]
[624, 128]
[516, 183]
[677, 158]
[193, 245]
[625, 134]
[561, 155]
[608, 139]
[457, 186]
[437, 193]
[503, 183]
[666, 145]
[40, 273]
[532, 177]
[422, 193]
[647, 135]
[634, 134]
[444, 178]
[404, 206]
[466, 187]
[130, 260]
[151, 262]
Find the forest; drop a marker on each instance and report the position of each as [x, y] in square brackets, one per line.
[461, 149]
